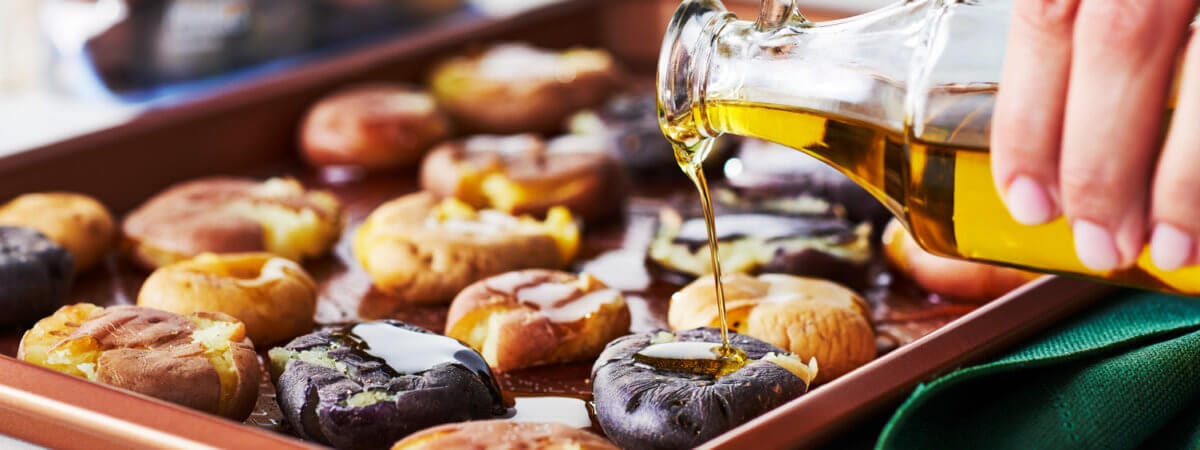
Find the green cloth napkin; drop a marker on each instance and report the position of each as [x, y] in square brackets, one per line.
[1123, 375]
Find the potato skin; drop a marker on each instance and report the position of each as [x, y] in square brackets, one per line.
[965, 281]
[152, 352]
[314, 397]
[35, 275]
[274, 297]
[372, 126]
[231, 215]
[641, 408]
[77, 222]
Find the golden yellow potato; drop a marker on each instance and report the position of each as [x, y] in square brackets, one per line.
[79, 223]
[809, 317]
[203, 361]
[274, 297]
[523, 174]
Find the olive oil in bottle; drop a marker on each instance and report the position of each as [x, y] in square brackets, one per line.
[943, 193]
[899, 99]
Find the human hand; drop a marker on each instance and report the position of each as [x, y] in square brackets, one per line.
[1079, 120]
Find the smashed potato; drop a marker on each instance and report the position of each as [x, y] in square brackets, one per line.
[274, 297]
[422, 251]
[809, 317]
[233, 215]
[367, 385]
[35, 275]
[516, 88]
[536, 317]
[522, 174]
[203, 361]
[374, 126]
[644, 407]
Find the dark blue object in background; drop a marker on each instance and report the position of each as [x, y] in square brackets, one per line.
[167, 50]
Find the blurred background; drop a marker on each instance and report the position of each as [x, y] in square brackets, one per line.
[69, 67]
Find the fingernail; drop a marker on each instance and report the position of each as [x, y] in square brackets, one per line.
[1095, 246]
[1028, 202]
[1170, 248]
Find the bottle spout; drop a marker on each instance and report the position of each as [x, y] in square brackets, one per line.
[775, 14]
[701, 41]
[686, 49]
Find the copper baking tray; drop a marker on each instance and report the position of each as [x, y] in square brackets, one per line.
[250, 130]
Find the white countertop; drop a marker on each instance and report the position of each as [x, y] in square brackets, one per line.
[9, 443]
[33, 119]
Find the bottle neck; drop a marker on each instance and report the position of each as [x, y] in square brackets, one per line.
[683, 69]
[892, 69]
[856, 68]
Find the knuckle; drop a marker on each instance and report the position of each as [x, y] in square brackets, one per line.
[1046, 15]
[1022, 122]
[1087, 195]
[1026, 136]
[1177, 198]
[1120, 24]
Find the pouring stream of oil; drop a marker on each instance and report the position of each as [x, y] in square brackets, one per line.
[698, 357]
[695, 171]
[701, 358]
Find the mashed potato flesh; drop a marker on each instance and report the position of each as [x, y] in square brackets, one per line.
[289, 233]
[216, 337]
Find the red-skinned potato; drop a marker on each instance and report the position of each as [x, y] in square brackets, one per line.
[960, 280]
[524, 174]
[232, 215]
[203, 361]
[373, 127]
